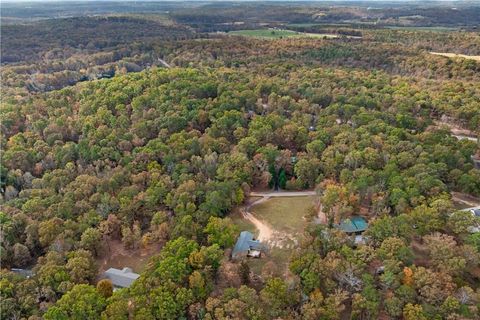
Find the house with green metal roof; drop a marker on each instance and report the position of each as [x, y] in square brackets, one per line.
[247, 246]
[355, 224]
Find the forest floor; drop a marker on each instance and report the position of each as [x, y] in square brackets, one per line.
[116, 256]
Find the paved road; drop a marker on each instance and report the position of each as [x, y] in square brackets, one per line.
[271, 194]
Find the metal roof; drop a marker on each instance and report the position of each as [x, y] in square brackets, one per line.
[121, 278]
[246, 242]
[354, 224]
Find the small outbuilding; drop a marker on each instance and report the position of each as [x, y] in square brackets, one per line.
[121, 278]
[247, 246]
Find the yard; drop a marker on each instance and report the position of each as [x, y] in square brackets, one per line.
[116, 256]
[285, 214]
[278, 222]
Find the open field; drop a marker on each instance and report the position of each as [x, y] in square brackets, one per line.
[241, 222]
[278, 34]
[280, 257]
[456, 55]
[284, 214]
[284, 217]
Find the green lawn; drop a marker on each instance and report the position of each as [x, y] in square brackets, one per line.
[281, 258]
[277, 34]
[241, 223]
[284, 214]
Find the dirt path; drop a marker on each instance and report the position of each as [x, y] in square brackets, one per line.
[265, 232]
[273, 194]
[322, 217]
[457, 131]
[467, 199]
[164, 63]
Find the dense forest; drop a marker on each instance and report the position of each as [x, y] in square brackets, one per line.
[187, 122]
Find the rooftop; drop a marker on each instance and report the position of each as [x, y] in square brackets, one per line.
[352, 225]
[121, 278]
[246, 242]
[475, 212]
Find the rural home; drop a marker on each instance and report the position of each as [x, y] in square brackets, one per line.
[354, 226]
[121, 278]
[247, 246]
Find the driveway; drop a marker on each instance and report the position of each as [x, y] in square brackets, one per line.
[272, 194]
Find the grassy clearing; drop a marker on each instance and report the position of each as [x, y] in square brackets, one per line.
[436, 29]
[278, 34]
[284, 214]
[302, 25]
[241, 223]
[455, 55]
[280, 257]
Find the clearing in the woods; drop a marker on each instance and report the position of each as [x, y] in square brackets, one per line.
[277, 220]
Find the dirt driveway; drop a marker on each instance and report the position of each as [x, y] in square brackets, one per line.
[266, 233]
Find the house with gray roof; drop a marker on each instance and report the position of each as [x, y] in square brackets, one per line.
[247, 246]
[121, 278]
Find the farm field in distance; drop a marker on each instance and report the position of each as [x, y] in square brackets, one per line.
[212, 160]
[279, 33]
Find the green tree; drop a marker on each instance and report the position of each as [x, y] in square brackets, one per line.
[91, 240]
[221, 231]
[83, 302]
[278, 298]
[282, 179]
